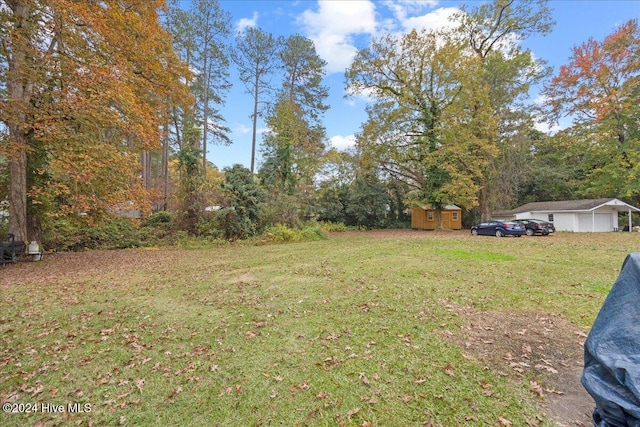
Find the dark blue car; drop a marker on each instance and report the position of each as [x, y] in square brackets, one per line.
[499, 228]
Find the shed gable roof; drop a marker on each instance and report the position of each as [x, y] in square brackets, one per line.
[444, 208]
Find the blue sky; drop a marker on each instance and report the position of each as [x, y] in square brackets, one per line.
[340, 27]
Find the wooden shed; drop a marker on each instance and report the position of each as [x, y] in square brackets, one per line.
[428, 218]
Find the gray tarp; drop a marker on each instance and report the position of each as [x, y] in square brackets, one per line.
[612, 352]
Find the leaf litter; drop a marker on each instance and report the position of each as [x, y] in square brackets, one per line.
[519, 344]
[530, 344]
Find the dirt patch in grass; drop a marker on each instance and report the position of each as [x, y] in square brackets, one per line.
[543, 351]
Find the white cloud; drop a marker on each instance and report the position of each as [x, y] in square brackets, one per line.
[342, 143]
[245, 23]
[333, 26]
[242, 129]
[436, 20]
[540, 99]
[417, 14]
[365, 95]
[401, 9]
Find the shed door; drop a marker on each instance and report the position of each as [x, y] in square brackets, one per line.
[450, 220]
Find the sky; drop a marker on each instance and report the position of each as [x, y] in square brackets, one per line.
[339, 28]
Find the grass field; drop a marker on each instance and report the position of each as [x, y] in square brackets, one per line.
[350, 330]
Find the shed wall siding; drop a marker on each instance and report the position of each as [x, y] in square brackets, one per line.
[420, 219]
[451, 223]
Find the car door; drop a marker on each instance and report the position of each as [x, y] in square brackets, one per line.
[487, 228]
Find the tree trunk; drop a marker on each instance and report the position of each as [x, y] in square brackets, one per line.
[18, 196]
[205, 100]
[19, 89]
[255, 119]
[165, 165]
[485, 210]
[144, 159]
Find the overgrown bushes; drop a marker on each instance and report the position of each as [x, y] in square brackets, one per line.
[160, 229]
[75, 234]
[282, 234]
[241, 210]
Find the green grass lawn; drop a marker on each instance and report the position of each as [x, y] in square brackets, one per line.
[343, 331]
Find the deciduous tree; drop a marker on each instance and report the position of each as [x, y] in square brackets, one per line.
[293, 149]
[492, 32]
[416, 81]
[598, 90]
[84, 84]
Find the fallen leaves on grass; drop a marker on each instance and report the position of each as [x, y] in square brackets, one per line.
[504, 422]
[140, 383]
[301, 386]
[536, 388]
[449, 370]
[329, 363]
[175, 392]
[363, 378]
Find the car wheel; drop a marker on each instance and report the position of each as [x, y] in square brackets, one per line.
[530, 232]
[499, 233]
[474, 232]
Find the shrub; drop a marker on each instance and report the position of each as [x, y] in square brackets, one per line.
[312, 233]
[73, 234]
[209, 226]
[64, 234]
[161, 217]
[333, 226]
[158, 228]
[339, 227]
[4, 228]
[241, 219]
[118, 233]
[282, 234]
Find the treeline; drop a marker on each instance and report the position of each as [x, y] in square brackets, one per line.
[108, 107]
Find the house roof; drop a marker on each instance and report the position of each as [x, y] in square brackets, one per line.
[570, 205]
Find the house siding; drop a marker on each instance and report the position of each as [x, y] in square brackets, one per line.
[564, 221]
[598, 222]
[594, 215]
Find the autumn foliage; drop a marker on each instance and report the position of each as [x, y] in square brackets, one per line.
[600, 76]
[94, 80]
[598, 91]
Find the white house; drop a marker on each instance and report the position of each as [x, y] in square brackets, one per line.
[592, 215]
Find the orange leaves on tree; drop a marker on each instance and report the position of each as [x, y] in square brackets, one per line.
[596, 82]
[101, 86]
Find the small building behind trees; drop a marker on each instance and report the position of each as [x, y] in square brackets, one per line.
[428, 218]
